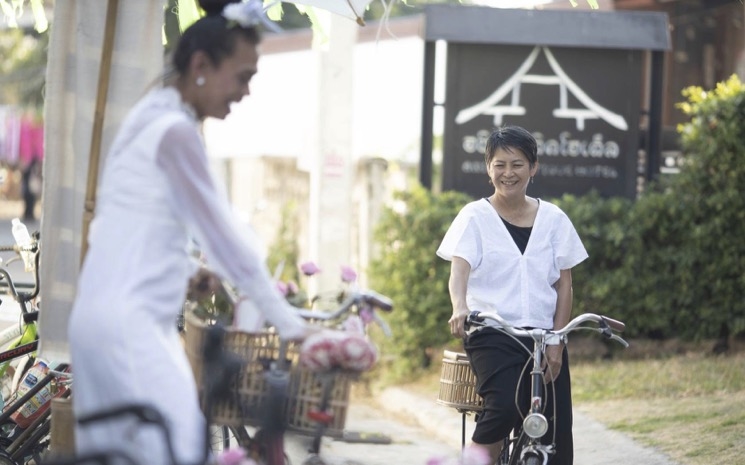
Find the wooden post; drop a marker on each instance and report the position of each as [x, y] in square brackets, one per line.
[104, 73]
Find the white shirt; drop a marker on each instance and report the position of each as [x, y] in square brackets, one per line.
[517, 286]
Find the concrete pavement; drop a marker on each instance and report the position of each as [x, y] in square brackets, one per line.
[593, 443]
[410, 444]
[420, 429]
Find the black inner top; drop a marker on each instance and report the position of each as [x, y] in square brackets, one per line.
[519, 234]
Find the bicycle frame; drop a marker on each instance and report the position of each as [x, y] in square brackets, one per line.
[527, 447]
[535, 424]
[269, 440]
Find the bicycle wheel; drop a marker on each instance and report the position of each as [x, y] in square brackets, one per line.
[504, 456]
[225, 437]
[522, 441]
[268, 448]
[240, 434]
[13, 374]
[36, 444]
[5, 459]
[220, 438]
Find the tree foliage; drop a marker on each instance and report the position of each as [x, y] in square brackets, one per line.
[23, 67]
[284, 252]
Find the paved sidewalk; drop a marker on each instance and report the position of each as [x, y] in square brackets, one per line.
[593, 443]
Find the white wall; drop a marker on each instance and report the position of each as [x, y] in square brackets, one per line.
[276, 118]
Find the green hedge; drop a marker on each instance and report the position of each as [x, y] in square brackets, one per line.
[678, 268]
[670, 264]
[408, 271]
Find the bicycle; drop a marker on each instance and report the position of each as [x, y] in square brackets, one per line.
[26, 421]
[524, 446]
[25, 418]
[266, 444]
[19, 340]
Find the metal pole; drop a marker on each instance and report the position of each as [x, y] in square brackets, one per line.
[654, 133]
[428, 100]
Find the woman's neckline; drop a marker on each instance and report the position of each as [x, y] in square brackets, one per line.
[506, 220]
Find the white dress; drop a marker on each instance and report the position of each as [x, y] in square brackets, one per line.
[517, 286]
[155, 195]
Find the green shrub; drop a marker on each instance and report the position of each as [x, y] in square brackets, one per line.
[408, 271]
[600, 282]
[673, 263]
[707, 196]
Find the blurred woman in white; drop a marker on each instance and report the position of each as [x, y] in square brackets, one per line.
[155, 195]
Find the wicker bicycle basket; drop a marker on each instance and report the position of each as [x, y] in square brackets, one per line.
[458, 384]
[306, 391]
[250, 391]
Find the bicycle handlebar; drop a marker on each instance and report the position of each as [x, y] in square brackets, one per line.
[367, 297]
[5, 275]
[606, 326]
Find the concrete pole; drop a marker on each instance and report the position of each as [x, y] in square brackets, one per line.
[333, 169]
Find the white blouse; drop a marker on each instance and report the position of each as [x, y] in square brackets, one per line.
[517, 286]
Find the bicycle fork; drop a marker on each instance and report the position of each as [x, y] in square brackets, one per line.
[535, 424]
[274, 421]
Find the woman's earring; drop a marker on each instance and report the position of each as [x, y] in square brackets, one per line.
[531, 179]
[200, 81]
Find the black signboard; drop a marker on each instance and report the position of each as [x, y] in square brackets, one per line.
[581, 104]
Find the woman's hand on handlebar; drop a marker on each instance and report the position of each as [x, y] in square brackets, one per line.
[457, 322]
[203, 284]
[552, 361]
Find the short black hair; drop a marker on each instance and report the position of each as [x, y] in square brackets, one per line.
[512, 137]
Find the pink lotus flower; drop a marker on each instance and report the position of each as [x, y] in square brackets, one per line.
[309, 268]
[348, 275]
[282, 288]
[475, 455]
[437, 461]
[234, 456]
[471, 455]
[367, 316]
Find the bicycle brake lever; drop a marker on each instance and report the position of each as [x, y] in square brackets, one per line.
[620, 340]
[383, 325]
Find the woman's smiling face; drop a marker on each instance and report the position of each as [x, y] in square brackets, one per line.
[510, 171]
[227, 82]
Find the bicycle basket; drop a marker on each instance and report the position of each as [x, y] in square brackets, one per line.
[306, 391]
[250, 390]
[458, 384]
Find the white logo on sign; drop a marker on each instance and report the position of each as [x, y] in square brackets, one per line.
[491, 105]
